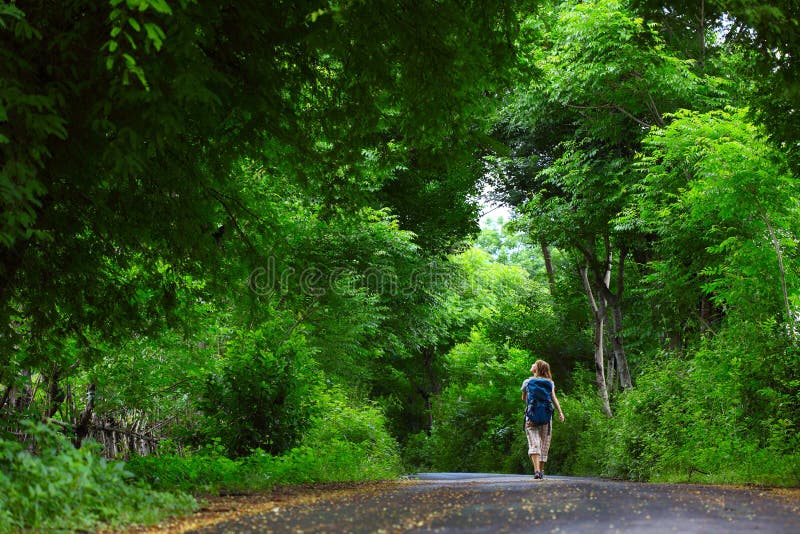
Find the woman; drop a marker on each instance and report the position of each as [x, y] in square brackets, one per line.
[538, 434]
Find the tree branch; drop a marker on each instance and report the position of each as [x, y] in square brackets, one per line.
[654, 109]
[232, 217]
[588, 288]
[631, 116]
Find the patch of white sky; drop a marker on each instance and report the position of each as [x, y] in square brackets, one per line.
[493, 216]
[491, 209]
[490, 213]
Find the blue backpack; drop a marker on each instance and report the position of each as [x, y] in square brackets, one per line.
[539, 409]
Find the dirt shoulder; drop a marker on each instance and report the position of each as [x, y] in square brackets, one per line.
[221, 508]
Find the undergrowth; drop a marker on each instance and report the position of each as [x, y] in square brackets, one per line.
[706, 417]
[46, 485]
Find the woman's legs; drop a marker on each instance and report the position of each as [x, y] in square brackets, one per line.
[536, 463]
[534, 447]
[545, 435]
[538, 447]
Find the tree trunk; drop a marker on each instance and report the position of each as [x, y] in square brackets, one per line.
[675, 342]
[82, 428]
[611, 369]
[429, 386]
[10, 263]
[548, 265]
[6, 396]
[23, 397]
[55, 395]
[706, 308]
[776, 244]
[599, 357]
[702, 61]
[614, 302]
[599, 310]
[617, 346]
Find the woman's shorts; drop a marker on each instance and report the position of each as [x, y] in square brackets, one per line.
[538, 439]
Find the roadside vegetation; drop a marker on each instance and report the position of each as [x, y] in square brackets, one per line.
[239, 245]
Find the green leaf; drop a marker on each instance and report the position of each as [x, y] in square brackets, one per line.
[161, 6]
[155, 34]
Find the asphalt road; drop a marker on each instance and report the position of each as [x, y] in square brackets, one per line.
[463, 502]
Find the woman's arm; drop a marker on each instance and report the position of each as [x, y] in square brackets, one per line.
[558, 406]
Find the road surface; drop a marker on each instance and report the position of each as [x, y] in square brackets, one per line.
[463, 502]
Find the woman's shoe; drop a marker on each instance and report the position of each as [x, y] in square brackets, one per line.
[537, 475]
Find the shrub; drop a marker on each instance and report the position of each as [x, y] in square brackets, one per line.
[416, 453]
[725, 413]
[57, 486]
[203, 471]
[260, 396]
[346, 441]
[343, 426]
[478, 416]
[577, 445]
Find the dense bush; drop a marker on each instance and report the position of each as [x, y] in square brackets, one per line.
[347, 440]
[583, 413]
[46, 484]
[260, 397]
[703, 417]
[478, 417]
[344, 430]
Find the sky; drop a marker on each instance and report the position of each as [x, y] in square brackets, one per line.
[493, 211]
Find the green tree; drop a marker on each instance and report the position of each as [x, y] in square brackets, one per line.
[715, 183]
[606, 78]
[151, 155]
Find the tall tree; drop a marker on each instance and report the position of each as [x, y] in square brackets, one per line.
[124, 128]
[606, 79]
[720, 199]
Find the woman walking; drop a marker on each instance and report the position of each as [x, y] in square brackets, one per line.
[539, 395]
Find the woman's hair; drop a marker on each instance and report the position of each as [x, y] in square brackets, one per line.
[541, 368]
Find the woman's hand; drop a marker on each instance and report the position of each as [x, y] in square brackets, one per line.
[561, 417]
